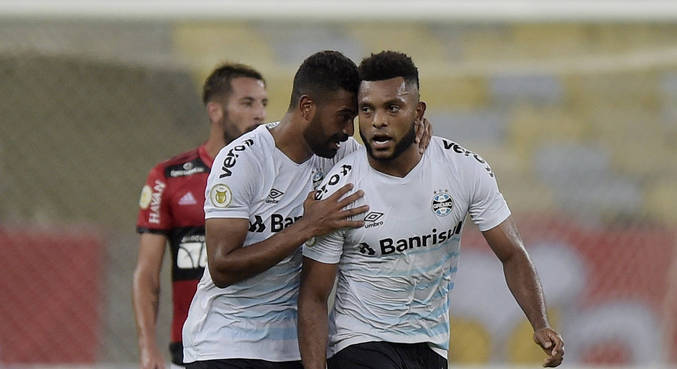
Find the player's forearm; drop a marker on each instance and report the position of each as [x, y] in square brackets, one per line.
[313, 332]
[145, 298]
[246, 262]
[525, 286]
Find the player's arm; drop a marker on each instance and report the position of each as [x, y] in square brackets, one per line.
[146, 296]
[230, 263]
[524, 284]
[317, 280]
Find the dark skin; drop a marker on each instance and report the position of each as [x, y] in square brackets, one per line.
[387, 109]
[523, 282]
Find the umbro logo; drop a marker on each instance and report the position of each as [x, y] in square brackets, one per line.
[188, 199]
[273, 196]
[372, 219]
[373, 216]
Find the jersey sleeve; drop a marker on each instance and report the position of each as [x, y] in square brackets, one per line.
[328, 248]
[232, 183]
[154, 208]
[487, 206]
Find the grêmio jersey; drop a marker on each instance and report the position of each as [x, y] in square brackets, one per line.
[395, 273]
[171, 204]
[254, 318]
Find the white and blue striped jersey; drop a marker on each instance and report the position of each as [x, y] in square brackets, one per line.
[395, 273]
[255, 318]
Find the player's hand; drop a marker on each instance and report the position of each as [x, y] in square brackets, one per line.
[424, 131]
[324, 216]
[152, 359]
[553, 345]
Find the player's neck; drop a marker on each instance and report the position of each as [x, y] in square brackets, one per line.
[214, 143]
[400, 166]
[289, 139]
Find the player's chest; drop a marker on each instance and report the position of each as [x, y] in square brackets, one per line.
[187, 199]
[279, 200]
[415, 219]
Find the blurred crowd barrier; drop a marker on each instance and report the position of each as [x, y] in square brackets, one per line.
[579, 121]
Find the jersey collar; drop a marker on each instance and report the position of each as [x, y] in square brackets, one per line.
[202, 151]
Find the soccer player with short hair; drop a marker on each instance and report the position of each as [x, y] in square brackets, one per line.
[396, 272]
[171, 207]
[259, 209]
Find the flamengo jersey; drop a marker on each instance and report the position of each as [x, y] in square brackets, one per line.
[171, 204]
[255, 318]
[395, 274]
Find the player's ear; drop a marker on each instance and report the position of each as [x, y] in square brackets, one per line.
[214, 111]
[307, 107]
[420, 110]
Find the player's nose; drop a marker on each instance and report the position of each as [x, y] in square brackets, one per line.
[380, 120]
[260, 113]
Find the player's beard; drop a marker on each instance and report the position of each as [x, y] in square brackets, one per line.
[231, 130]
[401, 146]
[319, 143]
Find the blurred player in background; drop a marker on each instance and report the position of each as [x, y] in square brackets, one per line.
[395, 273]
[171, 207]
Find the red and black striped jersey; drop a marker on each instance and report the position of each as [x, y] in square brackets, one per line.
[171, 204]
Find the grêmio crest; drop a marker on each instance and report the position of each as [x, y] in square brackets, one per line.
[442, 203]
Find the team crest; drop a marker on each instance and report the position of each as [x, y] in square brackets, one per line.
[442, 203]
[220, 196]
[145, 198]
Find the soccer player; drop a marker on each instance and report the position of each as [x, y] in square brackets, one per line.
[244, 311]
[396, 272]
[260, 209]
[171, 207]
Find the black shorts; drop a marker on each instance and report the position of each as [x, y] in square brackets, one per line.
[244, 364]
[387, 355]
[176, 350]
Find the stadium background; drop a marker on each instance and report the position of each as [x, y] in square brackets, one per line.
[577, 113]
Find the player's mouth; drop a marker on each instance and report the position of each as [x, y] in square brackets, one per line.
[381, 141]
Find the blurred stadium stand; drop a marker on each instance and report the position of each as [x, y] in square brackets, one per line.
[578, 120]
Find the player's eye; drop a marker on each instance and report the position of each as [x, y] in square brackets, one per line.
[393, 108]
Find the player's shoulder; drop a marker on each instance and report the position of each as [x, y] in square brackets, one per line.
[458, 157]
[349, 164]
[245, 153]
[346, 170]
[356, 156]
[453, 150]
[179, 161]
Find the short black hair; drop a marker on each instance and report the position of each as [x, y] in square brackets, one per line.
[218, 82]
[388, 64]
[324, 71]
